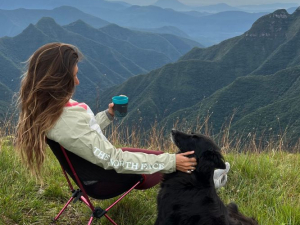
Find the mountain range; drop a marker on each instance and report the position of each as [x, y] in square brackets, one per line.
[252, 78]
[13, 22]
[205, 28]
[50, 4]
[222, 7]
[112, 53]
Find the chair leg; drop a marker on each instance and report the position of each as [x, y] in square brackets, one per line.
[110, 219]
[97, 212]
[83, 199]
[107, 217]
[63, 209]
[91, 220]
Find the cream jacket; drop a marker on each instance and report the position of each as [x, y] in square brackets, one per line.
[80, 131]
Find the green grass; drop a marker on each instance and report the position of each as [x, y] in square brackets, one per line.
[264, 185]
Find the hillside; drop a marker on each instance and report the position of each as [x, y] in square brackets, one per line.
[204, 79]
[258, 105]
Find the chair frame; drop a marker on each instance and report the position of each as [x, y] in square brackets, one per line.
[81, 195]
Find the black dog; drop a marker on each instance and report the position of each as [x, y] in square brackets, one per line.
[191, 199]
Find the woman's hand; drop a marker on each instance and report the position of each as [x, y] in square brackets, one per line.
[185, 164]
[110, 109]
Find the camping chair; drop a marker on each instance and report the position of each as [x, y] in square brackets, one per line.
[110, 183]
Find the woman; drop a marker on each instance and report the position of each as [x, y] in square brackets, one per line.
[47, 111]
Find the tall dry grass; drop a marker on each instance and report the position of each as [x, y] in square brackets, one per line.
[158, 137]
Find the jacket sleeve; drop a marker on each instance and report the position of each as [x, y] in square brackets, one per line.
[103, 119]
[73, 132]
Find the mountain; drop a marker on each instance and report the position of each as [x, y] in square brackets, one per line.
[229, 78]
[166, 30]
[291, 10]
[109, 59]
[197, 13]
[13, 22]
[254, 105]
[37, 4]
[172, 46]
[267, 7]
[172, 4]
[221, 7]
[207, 30]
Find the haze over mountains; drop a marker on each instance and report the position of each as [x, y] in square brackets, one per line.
[207, 25]
[206, 29]
[13, 22]
[253, 77]
[221, 7]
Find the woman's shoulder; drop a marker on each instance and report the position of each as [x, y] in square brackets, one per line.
[74, 112]
[72, 117]
[74, 105]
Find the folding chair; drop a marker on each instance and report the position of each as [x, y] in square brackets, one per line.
[110, 183]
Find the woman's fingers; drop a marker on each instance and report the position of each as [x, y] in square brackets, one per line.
[111, 109]
[184, 163]
[187, 153]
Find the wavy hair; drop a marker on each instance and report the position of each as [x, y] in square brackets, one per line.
[46, 86]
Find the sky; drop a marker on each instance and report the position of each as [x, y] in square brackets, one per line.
[210, 2]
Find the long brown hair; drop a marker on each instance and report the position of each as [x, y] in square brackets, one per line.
[46, 87]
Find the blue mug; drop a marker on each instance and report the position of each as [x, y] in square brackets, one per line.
[120, 105]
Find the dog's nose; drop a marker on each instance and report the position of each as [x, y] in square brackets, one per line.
[173, 131]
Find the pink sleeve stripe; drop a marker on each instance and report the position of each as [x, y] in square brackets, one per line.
[82, 105]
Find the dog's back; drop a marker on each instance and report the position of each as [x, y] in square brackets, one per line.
[191, 199]
[184, 200]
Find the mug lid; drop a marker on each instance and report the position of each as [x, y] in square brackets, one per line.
[120, 99]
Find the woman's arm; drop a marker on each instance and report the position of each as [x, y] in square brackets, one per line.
[79, 133]
[104, 118]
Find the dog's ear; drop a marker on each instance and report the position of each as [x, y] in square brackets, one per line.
[211, 160]
[218, 160]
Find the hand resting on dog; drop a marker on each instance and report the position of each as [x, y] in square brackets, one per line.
[185, 164]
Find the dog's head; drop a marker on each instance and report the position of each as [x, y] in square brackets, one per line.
[207, 153]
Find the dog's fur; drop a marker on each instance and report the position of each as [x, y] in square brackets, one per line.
[191, 199]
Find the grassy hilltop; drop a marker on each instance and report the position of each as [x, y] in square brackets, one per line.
[265, 185]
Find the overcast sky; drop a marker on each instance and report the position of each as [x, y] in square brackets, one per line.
[209, 2]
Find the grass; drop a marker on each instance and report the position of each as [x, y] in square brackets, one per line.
[265, 185]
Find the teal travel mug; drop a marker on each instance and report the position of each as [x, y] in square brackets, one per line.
[120, 105]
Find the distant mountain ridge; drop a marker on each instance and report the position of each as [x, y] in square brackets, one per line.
[198, 24]
[216, 8]
[50, 4]
[172, 4]
[207, 30]
[109, 59]
[218, 80]
[19, 19]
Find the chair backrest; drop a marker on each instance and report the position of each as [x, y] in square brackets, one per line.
[87, 171]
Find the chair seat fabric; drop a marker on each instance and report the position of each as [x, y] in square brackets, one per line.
[108, 184]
